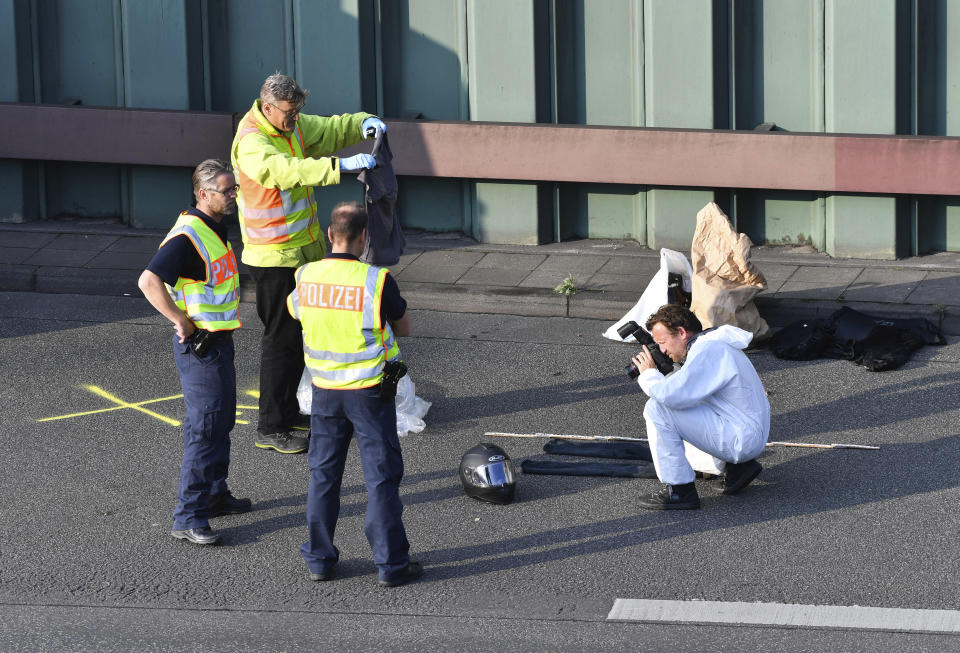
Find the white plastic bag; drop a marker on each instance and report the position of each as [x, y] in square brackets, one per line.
[411, 409]
[305, 392]
[655, 295]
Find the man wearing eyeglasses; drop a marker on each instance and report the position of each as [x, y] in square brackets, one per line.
[279, 155]
[192, 281]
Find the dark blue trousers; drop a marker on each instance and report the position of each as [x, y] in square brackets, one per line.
[337, 416]
[210, 394]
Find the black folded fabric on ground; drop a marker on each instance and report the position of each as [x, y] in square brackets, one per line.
[613, 449]
[553, 467]
[876, 343]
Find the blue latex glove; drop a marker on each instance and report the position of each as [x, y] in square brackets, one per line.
[372, 126]
[357, 162]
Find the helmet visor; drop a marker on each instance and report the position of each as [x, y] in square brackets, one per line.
[494, 474]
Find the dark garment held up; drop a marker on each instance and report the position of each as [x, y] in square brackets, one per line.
[385, 239]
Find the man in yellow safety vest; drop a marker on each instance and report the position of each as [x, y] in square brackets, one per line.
[279, 155]
[351, 314]
[192, 281]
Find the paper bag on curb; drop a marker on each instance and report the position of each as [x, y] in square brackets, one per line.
[724, 281]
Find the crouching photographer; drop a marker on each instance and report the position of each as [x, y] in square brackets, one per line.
[714, 401]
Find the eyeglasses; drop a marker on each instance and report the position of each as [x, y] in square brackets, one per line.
[292, 112]
[230, 191]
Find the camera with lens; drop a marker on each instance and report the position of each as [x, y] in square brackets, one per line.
[661, 360]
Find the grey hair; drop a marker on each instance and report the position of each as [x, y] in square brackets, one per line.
[282, 88]
[205, 175]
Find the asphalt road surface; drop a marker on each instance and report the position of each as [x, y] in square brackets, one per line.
[90, 412]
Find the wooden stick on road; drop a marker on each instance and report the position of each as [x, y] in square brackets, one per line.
[617, 438]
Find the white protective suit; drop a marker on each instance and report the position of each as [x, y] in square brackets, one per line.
[714, 403]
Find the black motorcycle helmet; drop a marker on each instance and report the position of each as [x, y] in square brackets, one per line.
[487, 474]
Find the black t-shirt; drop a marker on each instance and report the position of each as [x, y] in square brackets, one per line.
[392, 305]
[179, 258]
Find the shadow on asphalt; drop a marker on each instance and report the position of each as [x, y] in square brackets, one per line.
[461, 409]
[924, 397]
[821, 482]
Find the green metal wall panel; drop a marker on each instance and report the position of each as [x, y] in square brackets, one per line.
[17, 193]
[79, 63]
[781, 218]
[938, 112]
[875, 66]
[432, 204]
[424, 59]
[672, 216]
[327, 55]
[778, 68]
[678, 87]
[82, 189]
[506, 213]
[501, 74]
[157, 195]
[861, 226]
[779, 64]
[249, 40]
[502, 80]
[16, 69]
[157, 73]
[860, 66]
[860, 97]
[938, 224]
[600, 62]
[156, 70]
[79, 47]
[603, 211]
[599, 71]
[678, 56]
[424, 45]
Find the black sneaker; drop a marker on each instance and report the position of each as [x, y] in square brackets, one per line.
[227, 504]
[740, 475]
[302, 423]
[413, 571]
[672, 497]
[323, 576]
[199, 535]
[282, 442]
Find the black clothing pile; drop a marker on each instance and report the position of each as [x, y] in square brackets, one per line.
[876, 343]
[621, 450]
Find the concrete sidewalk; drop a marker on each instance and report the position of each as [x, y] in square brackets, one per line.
[451, 273]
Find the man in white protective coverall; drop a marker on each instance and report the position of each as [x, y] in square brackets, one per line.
[714, 402]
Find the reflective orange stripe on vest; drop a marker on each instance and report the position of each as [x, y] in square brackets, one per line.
[273, 216]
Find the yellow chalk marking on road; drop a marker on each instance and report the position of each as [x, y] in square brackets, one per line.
[253, 393]
[94, 389]
[125, 404]
[134, 405]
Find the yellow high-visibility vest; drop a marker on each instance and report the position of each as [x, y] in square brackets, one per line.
[276, 172]
[337, 301]
[271, 218]
[212, 303]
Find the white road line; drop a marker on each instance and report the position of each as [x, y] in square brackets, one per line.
[787, 615]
